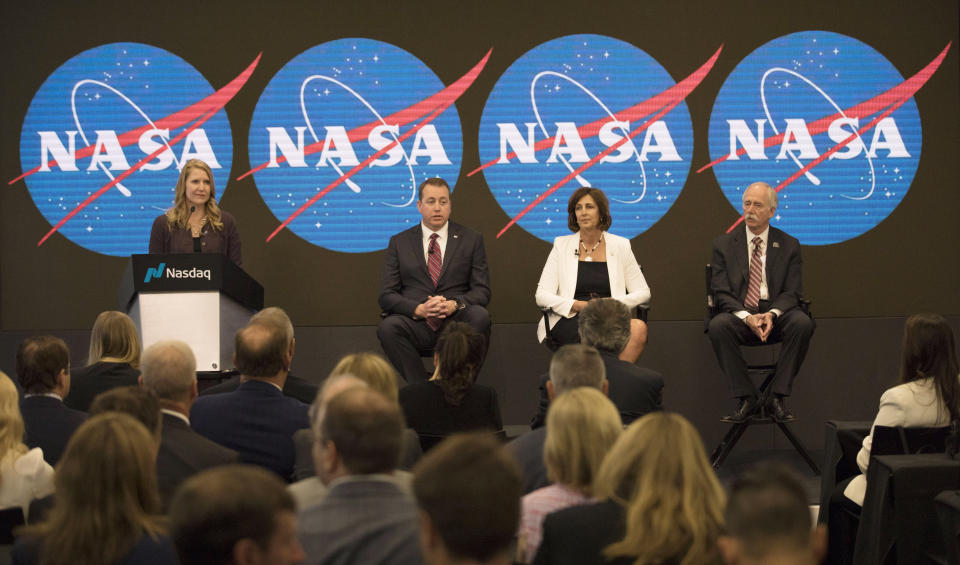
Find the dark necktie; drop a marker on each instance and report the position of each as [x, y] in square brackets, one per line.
[756, 275]
[434, 263]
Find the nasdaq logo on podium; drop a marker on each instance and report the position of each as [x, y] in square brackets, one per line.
[161, 271]
[106, 135]
[154, 272]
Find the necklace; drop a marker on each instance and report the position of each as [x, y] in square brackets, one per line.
[590, 251]
[198, 230]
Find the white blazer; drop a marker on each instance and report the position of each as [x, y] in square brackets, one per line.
[558, 281]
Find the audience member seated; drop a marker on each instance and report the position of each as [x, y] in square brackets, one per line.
[43, 367]
[106, 509]
[256, 420]
[381, 377]
[928, 395]
[468, 491]
[112, 361]
[661, 503]
[132, 401]
[451, 401]
[571, 367]
[635, 391]
[582, 425]
[24, 475]
[169, 372]
[768, 520]
[234, 515]
[365, 517]
[294, 387]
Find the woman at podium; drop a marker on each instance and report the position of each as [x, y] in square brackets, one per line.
[195, 224]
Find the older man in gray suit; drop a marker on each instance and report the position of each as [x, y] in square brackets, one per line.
[366, 517]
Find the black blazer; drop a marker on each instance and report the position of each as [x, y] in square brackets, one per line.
[634, 390]
[49, 425]
[428, 413]
[405, 279]
[180, 240]
[730, 269]
[578, 535]
[184, 453]
[294, 387]
[87, 382]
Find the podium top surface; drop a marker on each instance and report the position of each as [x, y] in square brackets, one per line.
[188, 272]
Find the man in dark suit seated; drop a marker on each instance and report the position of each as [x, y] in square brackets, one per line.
[634, 390]
[757, 285]
[432, 272]
[169, 371]
[257, 420]
[468, 491]
[366, 517]
[43, 368]
[234, 514]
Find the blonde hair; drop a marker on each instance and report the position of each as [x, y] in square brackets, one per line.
[659, 472]
[371, 369]
[114, 337]
[11, 421]
[179, 215]
[106, 494]
[582, 426]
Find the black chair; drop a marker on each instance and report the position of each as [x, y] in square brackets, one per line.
[10, 518]
[947, 504]
[640, 312]
[757, 370]
[430, 440]
[898, 440]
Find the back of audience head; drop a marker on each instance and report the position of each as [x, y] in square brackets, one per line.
[43, 365]
[114, 338]
[133, 401]
[929, 351]
[458, 355]
[674, 503]
[582, 426]
[276, 317]
[576, 365]
[360, 434]
[605, 324]
[168, 369]
[468, 490]
[372, 369]
[262, 350]
[235, 514]
[768, 520]
[106, 493]
[11, 421]
[332, 386]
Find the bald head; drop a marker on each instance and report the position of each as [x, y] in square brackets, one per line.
[331, 387]
[262, 351]
[168, 369]
[366, 428]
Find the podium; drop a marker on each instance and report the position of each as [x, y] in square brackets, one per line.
[199, 298]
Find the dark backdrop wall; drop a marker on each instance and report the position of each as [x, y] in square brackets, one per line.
[907, 263]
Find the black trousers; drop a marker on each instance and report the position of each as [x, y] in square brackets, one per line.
[728, 332]
[403, 339]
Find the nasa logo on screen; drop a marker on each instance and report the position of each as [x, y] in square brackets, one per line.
[105, 136]
[587, 110]
[826, 120]
[343, 135]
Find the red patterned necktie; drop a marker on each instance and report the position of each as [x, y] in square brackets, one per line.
[434, 263]
[756, 275]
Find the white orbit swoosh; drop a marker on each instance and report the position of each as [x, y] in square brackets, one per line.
[76, 120]
[809, 174]
[352, 185]
[580, 179]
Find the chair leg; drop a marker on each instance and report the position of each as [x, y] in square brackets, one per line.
[799, 447]
[727, 444]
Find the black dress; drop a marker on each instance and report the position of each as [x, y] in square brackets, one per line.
[593, 281]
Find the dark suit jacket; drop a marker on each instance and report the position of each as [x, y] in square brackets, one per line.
[49, 425]
[578, 535]
[225, 241]
[528, 451]
[365, 521]
[405, 280]
[87, 382]
[634, 390]
[294, 387]
[256, 420]
[731, 270]
[183, 453]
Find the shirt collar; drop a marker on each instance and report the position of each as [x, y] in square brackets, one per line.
[50, 394]
[176, 414]
[764, 235]
[442, 232]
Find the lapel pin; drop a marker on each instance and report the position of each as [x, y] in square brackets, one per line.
[776, 244]
[455, 236]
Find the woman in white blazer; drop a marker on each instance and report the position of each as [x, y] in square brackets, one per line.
[575, 273]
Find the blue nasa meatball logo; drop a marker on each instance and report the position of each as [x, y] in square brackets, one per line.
[343, 135]
[585, 110]
[826, 120]
[105, 136]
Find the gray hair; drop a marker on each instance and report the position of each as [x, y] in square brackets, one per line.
[772, 199]
[168, 369]
[333, 385]
[605, 324]
[576, 365]
[276, 317]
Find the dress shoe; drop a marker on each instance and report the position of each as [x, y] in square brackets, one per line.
[777, 411]
[746, 409]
